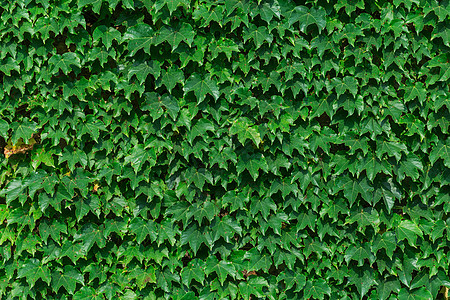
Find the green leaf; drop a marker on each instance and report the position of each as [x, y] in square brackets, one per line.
[391, 148]
[245, 130]
[364, 217]
[23, 130]
[32, 270]
[255, 261]
[170, 77]
[175, 35]
[386, 241]
[200, 129]
[141, 228]
[172, 5]
[386, 287]
[441, 150]
[316, 288]
[222, 268]
[416, 294]
[193, 270]
[363, 279]
[80, 180]
[292, 278]
[408, 230]
[142, 69]
[257, 34]
[140, 36]
[225, 227]
[64, 62]
[409, 167]
[87, 293]
[415, 91]
[194, 236]
[353, 187]
[201, 86]
[223, 45]
[139, 155]
[199, 177]
[252, 163]
[346, 84]
[107, 35]
[253, 286]
[69, 277]
[85, 205]
[73, 157]
[306, 17]
[88, 235]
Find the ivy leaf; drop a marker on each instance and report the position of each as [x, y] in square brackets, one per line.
[175, 35]
[200, 129]
[193, 270]
[23, 130]
[141, 228]
[69, 277]
[107, 35]
[88, 235]
[194, 236]
[363, 279]
[306, 17]
[64, 62]
[140, 36]
[256, 261]
[292, 278]
[139, 155]
[386, 287]
[359, 253]
[171, 77]
[201, 86]
[32, 270]
[257, 34]
[199, 177]
[391, 148]
[252, 163]
[346, 84]
[386, 241]
[408, 230]
[87, 293]
[222, 268]
[245, 130]
[92, 127]
[262, 205]
[142, 69]
[73, 157]
[353, 187]
[225, 227]
[409, 166]
[167, 231]
[317, 289]
[415, 294]
[172, 5]
[253, 286]
[80, 180]
[441, 150]
[415, 91]
[223, 45]
[85, 205]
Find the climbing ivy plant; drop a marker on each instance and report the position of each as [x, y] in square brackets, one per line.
[224, 149]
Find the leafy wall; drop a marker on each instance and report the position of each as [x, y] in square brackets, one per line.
[224, 149]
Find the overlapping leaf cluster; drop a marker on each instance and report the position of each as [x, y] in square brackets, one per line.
[225, 149]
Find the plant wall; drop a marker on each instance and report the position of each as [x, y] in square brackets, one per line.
[225, 149]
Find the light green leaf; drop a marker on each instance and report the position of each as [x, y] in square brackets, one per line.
[408, 230]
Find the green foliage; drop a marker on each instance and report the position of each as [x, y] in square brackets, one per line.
[225, 149]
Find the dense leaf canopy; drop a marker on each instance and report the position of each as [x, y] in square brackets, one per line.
[224, 149]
